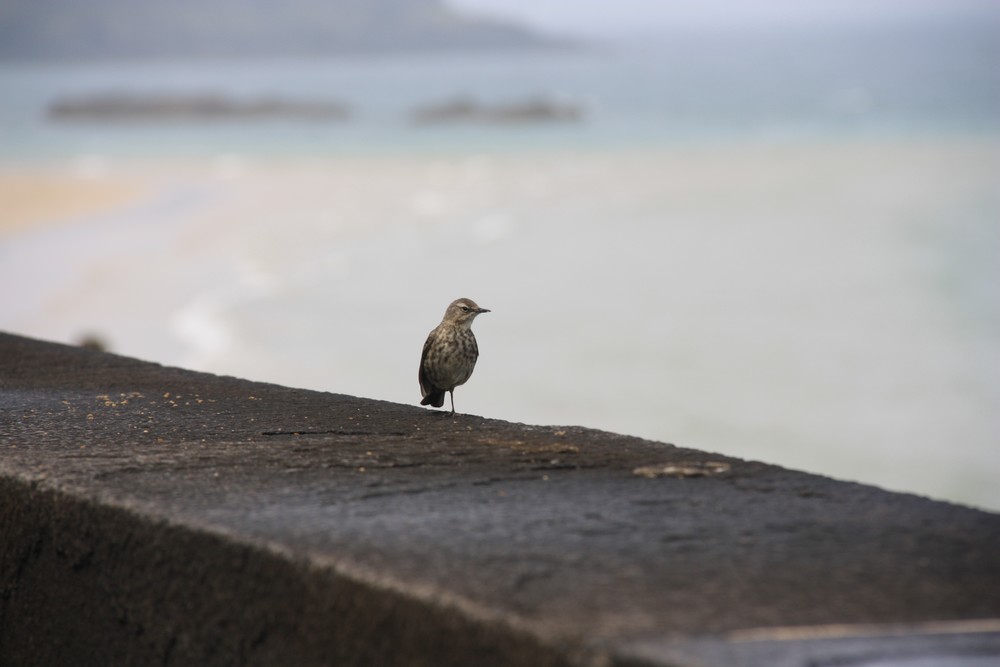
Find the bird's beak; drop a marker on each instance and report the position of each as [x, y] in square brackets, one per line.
[483, 310]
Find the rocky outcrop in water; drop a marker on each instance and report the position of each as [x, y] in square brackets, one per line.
[466, 110]
[115, 107]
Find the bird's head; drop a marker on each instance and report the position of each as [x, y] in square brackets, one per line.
[463, 311]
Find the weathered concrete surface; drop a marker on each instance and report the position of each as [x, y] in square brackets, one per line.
[155, 515]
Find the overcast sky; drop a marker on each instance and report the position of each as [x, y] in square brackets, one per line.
[615, 17]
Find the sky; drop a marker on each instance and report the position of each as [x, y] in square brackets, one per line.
[596, 18]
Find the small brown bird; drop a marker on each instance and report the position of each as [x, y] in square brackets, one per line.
[450, 353]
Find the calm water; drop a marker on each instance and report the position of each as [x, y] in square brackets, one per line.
[786, 255]
[696, 88]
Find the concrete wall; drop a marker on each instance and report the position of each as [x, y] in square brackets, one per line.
[151, 515]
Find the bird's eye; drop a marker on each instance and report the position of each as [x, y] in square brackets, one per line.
[465, 309]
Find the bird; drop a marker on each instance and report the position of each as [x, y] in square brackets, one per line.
[450, 353]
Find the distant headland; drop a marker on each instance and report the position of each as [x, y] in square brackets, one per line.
[120, 29]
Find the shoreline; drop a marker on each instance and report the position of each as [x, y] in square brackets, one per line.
[59, 191]
[823, 271]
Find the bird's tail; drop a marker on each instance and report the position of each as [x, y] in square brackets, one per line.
[435, 398]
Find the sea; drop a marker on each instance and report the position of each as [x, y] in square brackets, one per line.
[774, 244]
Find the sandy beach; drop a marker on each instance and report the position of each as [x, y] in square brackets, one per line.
[824, 306]
[39, 196]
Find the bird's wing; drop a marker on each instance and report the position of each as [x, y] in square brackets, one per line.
[425, 384]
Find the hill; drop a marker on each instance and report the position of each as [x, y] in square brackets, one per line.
[101, 29]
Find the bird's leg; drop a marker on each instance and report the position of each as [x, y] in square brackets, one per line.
[452, 394]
